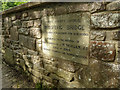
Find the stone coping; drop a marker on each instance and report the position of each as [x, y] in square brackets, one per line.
[22, 6]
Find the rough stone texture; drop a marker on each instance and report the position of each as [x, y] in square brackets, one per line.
[25, 52]
[109, 77]
[24, 15]
[9, 56]
[116, 35]
[102, 51]
[37, 23]
[31, 43]
[34, 14]
[67, 65]
[98, 35]
[38, 44]
[105, 20]
[23, 40]
[14, 33]
[35, 32]
[17, 23]
[24, 31]
[13, 17]
[27, 24]
[114, 5]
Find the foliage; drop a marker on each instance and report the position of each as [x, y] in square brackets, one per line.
[5, 4]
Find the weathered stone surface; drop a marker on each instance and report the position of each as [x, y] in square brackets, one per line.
[23, 40]
[31, 43]
[17, 23]
[102, 51]
[9, 56]
[27, 24]
[37, 23]
[116, 35]
[24, 31]
[64, 74]
[67, 65]
[105, 20]
[48, 11]
[109, 36]
[24, 15]
[34, 14]
[48, 84]
[97, 35]
[35, 79]
[37, 74]
[13, 17]
[38, 44]
[92, 7]
[31, 52]
[14, 33]
[35, 32]
[114, 5]
[21, 62]
[7, 22]
[104, 74]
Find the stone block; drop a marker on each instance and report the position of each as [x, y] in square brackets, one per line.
[64, 74]
[24, 14]
[17, 23]
[37, 23]
[116, 35]
[13, 17]
[14, 33]
[35, 32]
[113, 5]
[92, 7]
[105, 20]
[9, 57]
[68, 65]
[104, 51]
[24, 31]
[27, 24]
[7, 22]
[38, 44]
[48, 11]
[31, 43]
[39, 47]
[58, 10]
[98, 35]
[35, 14]
[23, 40]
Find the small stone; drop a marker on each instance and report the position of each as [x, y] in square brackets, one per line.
[116, 35]
[37, 23]
[98, 35]
[24, 15]
[13, 17]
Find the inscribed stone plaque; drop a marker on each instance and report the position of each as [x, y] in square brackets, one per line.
[67, 36]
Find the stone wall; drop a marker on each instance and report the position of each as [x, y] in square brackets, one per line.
[23, 45]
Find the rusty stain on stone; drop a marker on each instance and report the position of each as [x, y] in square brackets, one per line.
[102, 51]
